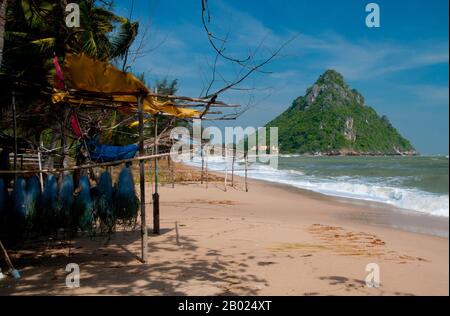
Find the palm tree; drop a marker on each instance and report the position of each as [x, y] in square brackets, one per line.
[36, 30]
[103, 35]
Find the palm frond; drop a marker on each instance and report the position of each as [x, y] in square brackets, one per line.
[123, 38]
[45, 44]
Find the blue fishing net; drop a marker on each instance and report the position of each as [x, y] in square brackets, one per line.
[19, 198]
[104, 201]
[32, 202]
[3, 197]
[125, 200]
[84, 206]
[66, 218]
[49, 205]
[3, 208]
[17, 219]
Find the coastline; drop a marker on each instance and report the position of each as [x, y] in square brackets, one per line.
[419, 185]
[272, 240]
[378, 213]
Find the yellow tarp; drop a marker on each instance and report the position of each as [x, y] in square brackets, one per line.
[91, 75]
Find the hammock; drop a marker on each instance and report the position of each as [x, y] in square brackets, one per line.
[106, 153]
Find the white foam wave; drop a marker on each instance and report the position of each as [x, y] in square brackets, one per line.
[383, 190]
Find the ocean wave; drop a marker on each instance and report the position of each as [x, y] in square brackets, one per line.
[381, 190]
[410, 199]
[289, 155]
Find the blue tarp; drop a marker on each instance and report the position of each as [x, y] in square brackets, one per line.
[107, 153]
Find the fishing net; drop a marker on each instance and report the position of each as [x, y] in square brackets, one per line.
[104, 201]
[33, 195]
[125, 200]
[66, 218]
[31, 212]
[17, 219]
[49, 209]
[83, 206]
[3, 208]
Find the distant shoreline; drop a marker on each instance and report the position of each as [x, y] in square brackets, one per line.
[352, 155]
[378, 213]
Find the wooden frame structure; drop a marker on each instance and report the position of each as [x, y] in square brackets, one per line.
[105, 101]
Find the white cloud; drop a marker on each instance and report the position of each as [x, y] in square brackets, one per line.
[430, 94]
[368, 60]
[184, 50]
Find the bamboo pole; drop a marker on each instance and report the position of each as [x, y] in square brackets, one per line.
[232, 168]
[14, 131]
[172, 172]
[110, 97]
[156, 194]
[88, 166]
[207, 175]
[169, 167]
[41, 178]
[203, 161]
[226, 168]
[207, 101]
[246, 167]
[144, 235]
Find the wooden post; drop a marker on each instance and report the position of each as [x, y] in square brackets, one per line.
[206, 167]
[226, 168]
[172, 173]
[232, 168]
[203, 161]
[156, 194]
[41, 179]
[246, 160]
[144, 235]
[14, 132]
[169, 167]
[172, 170]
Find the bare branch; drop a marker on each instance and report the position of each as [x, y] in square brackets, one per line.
[211, 37]
[248, 66]
[251, 70]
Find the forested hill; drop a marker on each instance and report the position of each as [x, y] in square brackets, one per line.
[333, 119]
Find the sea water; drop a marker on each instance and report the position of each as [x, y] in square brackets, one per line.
[417, 184]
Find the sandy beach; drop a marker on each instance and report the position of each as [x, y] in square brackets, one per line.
[272, 240]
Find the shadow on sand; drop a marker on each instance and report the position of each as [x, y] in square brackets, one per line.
[176, 267]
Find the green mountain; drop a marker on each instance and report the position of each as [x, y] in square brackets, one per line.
[333, 119]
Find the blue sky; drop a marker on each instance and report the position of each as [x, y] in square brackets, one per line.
[401, 68]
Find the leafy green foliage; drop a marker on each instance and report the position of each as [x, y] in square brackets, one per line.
[36, 31]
